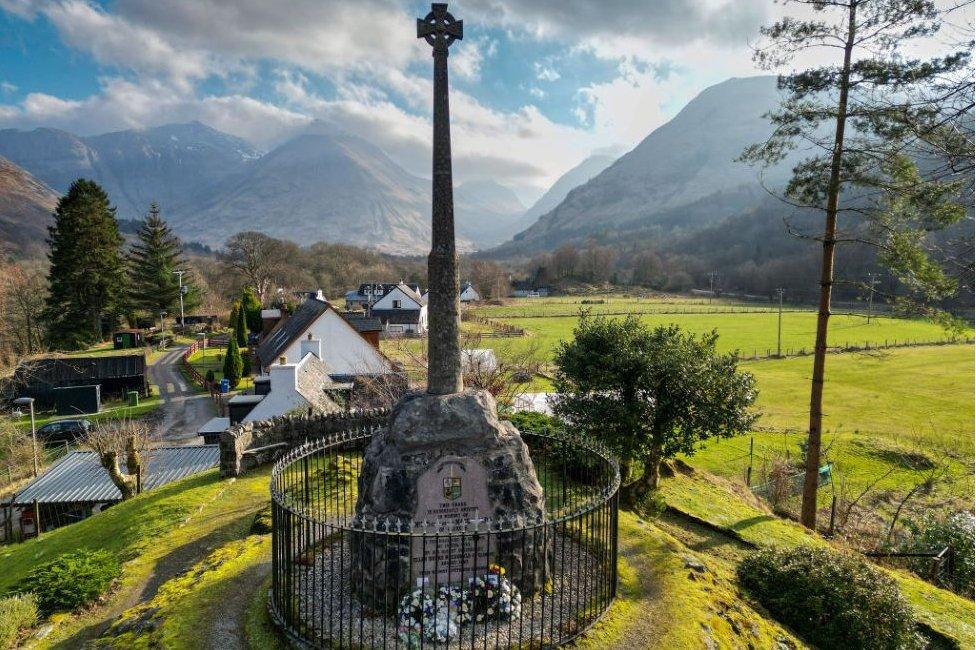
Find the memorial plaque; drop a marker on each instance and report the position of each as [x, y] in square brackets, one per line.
[452, 496]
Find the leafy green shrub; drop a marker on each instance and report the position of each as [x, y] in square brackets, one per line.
[72, 580]
[16, 613]
[931, 534]
[835, 600]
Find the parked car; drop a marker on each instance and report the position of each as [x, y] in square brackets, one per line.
[63, 431]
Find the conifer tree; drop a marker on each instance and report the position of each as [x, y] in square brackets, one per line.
[87, 274]
[154, 286]
[232, 320]
[252, 309]
[233, 363]
[840, 116]
[240, 327]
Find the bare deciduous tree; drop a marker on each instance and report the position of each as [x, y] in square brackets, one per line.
[115, 440]
[257, 257]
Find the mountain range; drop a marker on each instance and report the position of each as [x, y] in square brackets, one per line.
[682, 176]
[322, 185]
[328, 185]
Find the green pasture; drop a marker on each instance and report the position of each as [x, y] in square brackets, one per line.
[752, 333]
[616, 304]
[890, 416]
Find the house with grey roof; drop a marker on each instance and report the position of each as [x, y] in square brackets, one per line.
[401, 311]
[369, 293]
[345, 351]
[304, 387]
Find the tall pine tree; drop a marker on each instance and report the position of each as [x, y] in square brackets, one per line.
[154, 287]
[87, 275]
[841, 116]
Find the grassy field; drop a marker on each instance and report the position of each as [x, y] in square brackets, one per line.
[888, 417]
[750, 333]
[615, 304]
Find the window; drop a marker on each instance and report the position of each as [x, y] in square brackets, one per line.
[396, 304]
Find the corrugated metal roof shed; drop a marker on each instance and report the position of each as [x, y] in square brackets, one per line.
[80, 478]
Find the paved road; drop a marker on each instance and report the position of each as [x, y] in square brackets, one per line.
[183, 409]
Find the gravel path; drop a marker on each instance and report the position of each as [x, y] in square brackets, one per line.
[327, 605]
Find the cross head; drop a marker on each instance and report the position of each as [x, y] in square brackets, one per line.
[439, 28]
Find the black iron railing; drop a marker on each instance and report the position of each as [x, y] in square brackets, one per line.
[457, 585]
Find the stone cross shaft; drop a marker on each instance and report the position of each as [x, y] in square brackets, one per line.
[440, 29]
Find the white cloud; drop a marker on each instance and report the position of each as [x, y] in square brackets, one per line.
[467, 61]
[7, 87]
[537, 92]
[26, 9]
[112, 40]
[317, 35]
[545, 73]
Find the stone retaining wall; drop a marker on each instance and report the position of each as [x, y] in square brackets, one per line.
[254, 443]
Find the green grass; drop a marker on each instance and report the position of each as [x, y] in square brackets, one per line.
[881, 410]
[661, 604]
[723, 505]
[105, 349]
[751, 333]
[213, 359]
[615, 303]
[161, 532]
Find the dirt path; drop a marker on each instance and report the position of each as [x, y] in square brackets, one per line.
[227, 630]
[184, 410]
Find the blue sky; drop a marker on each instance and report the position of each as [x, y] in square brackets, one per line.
[537, 85]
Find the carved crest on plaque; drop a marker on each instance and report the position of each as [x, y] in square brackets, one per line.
[452, 488]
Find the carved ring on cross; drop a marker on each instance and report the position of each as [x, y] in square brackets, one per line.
[439, 28]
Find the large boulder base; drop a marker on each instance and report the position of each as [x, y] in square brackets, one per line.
[424, 428]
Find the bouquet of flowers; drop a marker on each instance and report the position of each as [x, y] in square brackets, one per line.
[494, 596]
[436, 618]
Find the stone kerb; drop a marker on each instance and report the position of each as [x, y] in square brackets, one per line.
[250, 444]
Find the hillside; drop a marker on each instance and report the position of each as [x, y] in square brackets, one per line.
[486, 213]
[681, 176]
[26, 205]
[196, 572]
[572, 179]
[318, 186]
[169, 164]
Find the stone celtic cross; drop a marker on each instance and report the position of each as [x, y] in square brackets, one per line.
[440, 29]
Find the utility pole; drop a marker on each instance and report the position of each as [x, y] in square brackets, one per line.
[872, 281]
[711, 285]
[779, 325]
[179, 274]
[29, 402]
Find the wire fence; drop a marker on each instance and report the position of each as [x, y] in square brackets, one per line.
[340, 579]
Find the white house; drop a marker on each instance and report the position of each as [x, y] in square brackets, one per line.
[469, 293]
[294, 387]
[401, 310]
[345, 352]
